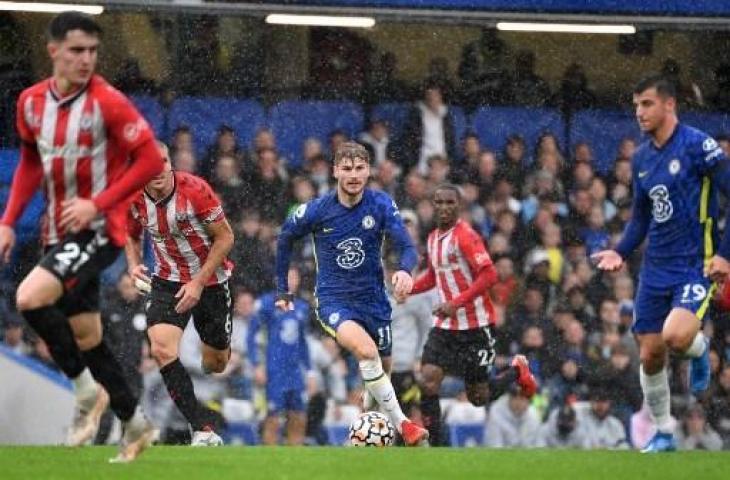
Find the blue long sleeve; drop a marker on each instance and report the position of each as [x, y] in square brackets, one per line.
[296, 226]
[635, 231]
[721, 179]
[398, 234]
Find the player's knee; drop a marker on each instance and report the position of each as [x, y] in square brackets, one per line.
[365, 352]
[676, 341]
[215, 363]
[86, 340]
[26, 299]
[163, 353]
[651, 361]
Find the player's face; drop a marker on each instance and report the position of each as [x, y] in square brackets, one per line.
[652, 109]
[447, 205]
[74, 57]
[352, 175]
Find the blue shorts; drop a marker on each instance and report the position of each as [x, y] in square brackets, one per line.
[691, 291]
[285, 400]
[374, 317]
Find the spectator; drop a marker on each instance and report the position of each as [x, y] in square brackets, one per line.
[13, 336]
[531, 89]
[482, 71]
[561, 430]
[718, 405]
[599, 428]
[184, 161]
[267, 188]
[514, 162]
[226, 144]
[574, 93]
[513, 422]
[377, 140]
[229, 186]
[428, 131]
[694, 433]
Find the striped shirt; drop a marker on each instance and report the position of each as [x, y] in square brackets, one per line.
[176, 225]
[83, 140]
[456, 256]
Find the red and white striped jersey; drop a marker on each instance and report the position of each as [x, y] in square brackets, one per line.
[84, 141]
[456, 256]
[177, 227]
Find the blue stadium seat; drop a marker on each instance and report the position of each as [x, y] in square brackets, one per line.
[204, 115]
[466, 435]
[337, 435]
[494, 124]
[293, 122]
[604, 130]
[152, 111]
[8, 161]
[460, 121]
[241, 433]
[395, 114]
[713, 123]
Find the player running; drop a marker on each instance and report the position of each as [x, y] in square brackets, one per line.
[461, 342]
[191, 238]
[347, 227]
[92, 150]
[675, 174]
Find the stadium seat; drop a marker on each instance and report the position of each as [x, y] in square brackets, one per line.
[713, 123]
[395, 114]
[204, 115]
[152, 111]
[8, 161]
[494, 124]
[337, 435]
[293, 122]
[604, 130]
[241, 433]
[466, 435]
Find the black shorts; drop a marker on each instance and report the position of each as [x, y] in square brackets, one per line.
[212, 315]
[77, 262]
[468, 354]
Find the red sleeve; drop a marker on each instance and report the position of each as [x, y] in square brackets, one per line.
[480, 263]
[24, 131]
[425, 281]
[207, 206]
[26, 181]
[123, 122]
[146, 164]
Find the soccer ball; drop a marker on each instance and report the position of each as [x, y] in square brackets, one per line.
[371, 429]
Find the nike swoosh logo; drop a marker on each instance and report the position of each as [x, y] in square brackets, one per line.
[328, 230]
[643, 174]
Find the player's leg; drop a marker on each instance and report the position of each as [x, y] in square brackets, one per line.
[355, 339]
[368, 401]
[431, 378]
[296, 417]
[655, 387]
[270, 429]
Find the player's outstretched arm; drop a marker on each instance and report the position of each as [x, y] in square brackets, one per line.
[297, 225]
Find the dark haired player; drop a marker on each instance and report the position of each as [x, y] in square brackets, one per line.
[676, 172]
[91, 150]
[461, 342]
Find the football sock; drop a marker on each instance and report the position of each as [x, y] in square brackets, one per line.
[108, 372]
[502, 381]
[379, 386]
[181, 391]
[698, 346]
[52, 326]
[431, 414]
[656, 394]
[85, 389]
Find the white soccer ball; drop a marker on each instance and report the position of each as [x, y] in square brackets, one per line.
[372, 429]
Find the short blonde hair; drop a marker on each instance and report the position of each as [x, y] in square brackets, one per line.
[351, 150]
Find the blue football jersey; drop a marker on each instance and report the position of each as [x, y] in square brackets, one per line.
[287, 353]
[674, 204]
[348, 244]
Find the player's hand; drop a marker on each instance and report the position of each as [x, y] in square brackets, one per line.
[77, 213]
[444, 310]
[189, 295]
[717, 269]
[7, 242]
[285, 302]
[259, 376]
[402, 285]
[608, 260]
[140, 273]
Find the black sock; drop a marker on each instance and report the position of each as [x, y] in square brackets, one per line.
[431, 414]
[107, 371]
[501, 383]
[52, 326]
[182, 393]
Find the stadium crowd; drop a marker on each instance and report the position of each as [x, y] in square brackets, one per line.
[542, 210]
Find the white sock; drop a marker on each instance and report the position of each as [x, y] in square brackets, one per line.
[697, 349]
[85, 389]
[379, 386]
[656, 394]
[368, 401]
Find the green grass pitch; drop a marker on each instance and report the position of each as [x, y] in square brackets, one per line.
[250, 463]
